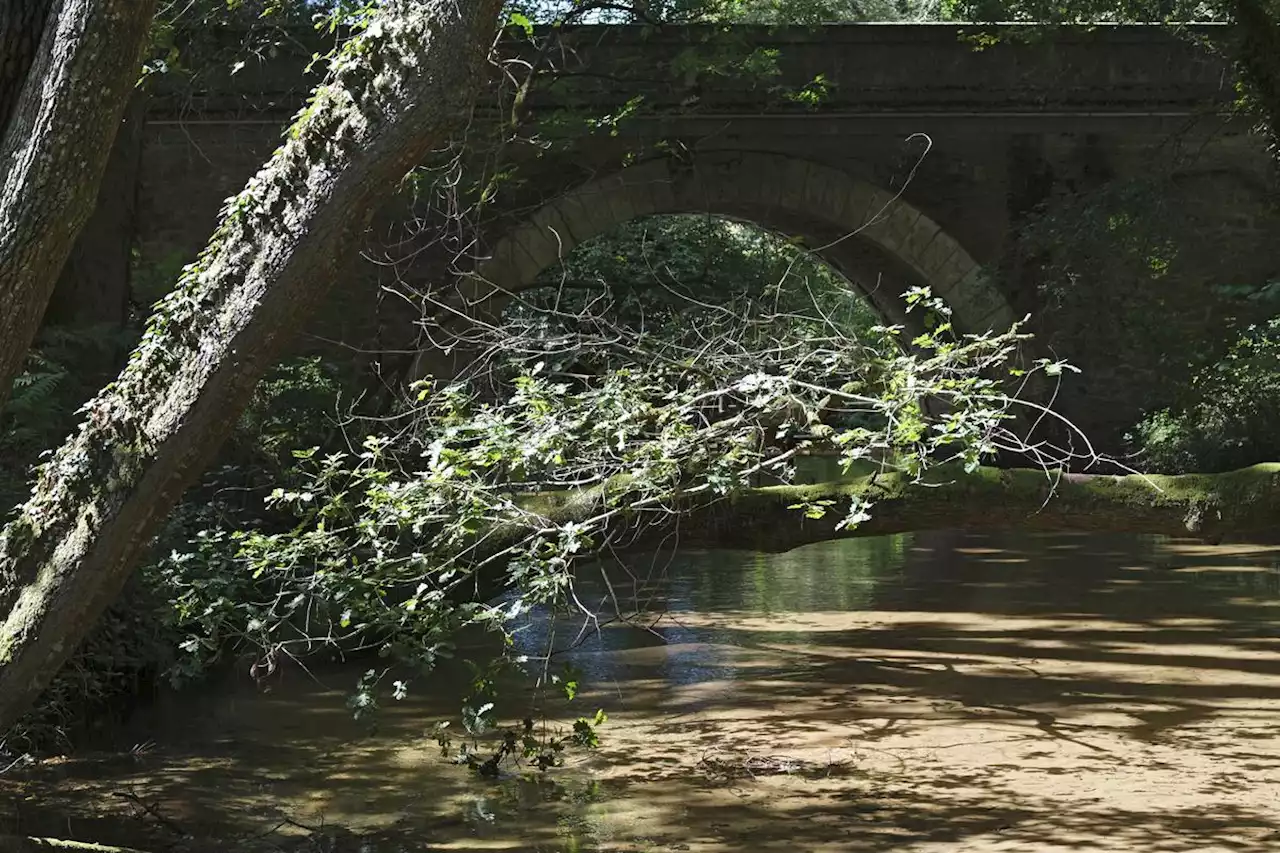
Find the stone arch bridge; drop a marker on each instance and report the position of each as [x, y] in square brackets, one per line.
[918, 162]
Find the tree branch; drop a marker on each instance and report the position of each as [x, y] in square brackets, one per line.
[22, 844]
[1209, 506]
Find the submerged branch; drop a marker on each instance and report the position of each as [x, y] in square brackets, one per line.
[22, 844]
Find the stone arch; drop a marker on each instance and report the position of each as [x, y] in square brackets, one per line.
[774, 192]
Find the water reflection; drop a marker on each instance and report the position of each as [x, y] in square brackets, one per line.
[1138, 578]
[645, 603]
[925, 692]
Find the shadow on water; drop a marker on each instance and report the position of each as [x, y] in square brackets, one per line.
[929, 692]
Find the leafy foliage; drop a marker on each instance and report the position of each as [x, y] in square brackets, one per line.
[137, 641]
[538, 743]
[667, 370]
[1051, 12]
[62, 370]
[809, 12]
[589, 433]
[1133, 281]
[650, 272]
[1228, 418]
[802, 12]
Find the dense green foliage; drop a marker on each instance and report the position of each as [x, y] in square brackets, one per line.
[804, 12]
[136, 646]
[63, 369]
[677, 360]
[1223, 414]
[253, 577]
[652, 272]
[1133, 284]
[1228, 416]
[399, 544]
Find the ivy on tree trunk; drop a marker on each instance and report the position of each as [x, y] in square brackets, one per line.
[395, 92]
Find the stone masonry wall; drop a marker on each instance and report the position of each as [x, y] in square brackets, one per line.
[974, 142]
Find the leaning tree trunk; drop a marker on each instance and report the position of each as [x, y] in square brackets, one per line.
[59, 109]
[394, 94]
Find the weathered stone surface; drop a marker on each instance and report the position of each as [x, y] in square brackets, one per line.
[928, 154]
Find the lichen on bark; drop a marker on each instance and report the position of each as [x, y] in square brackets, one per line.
[398, 90]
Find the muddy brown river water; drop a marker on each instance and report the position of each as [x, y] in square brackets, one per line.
[921, 693]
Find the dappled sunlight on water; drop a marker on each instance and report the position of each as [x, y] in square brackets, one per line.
[933, 692]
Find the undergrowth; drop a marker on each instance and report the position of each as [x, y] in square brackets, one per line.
[136, 644]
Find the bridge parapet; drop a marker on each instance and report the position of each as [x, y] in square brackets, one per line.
[866, 67]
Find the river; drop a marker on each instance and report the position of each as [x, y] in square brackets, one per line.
[925, 692]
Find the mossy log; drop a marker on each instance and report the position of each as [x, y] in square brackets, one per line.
[1238, 504]
[399, 91]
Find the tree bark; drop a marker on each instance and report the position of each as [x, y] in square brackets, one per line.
[55, 146]
[396, 93]
[1240, 504]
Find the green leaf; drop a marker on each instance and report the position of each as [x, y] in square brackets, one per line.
[522, 21]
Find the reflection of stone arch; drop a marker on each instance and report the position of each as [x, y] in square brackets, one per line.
[863, 231]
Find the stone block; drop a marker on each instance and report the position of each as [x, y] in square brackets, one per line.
[849, 205]
[767, 182]
[938, 261]
[538, 250]
[879, 206]
[617, 199]
[900, 220]
[794, 181]
[659, 182]
[829, 197]
[501, 267]
[551, 222]
[583, 215]
[641, 193]
[724, 186]
[917, 242]
[953, 276]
